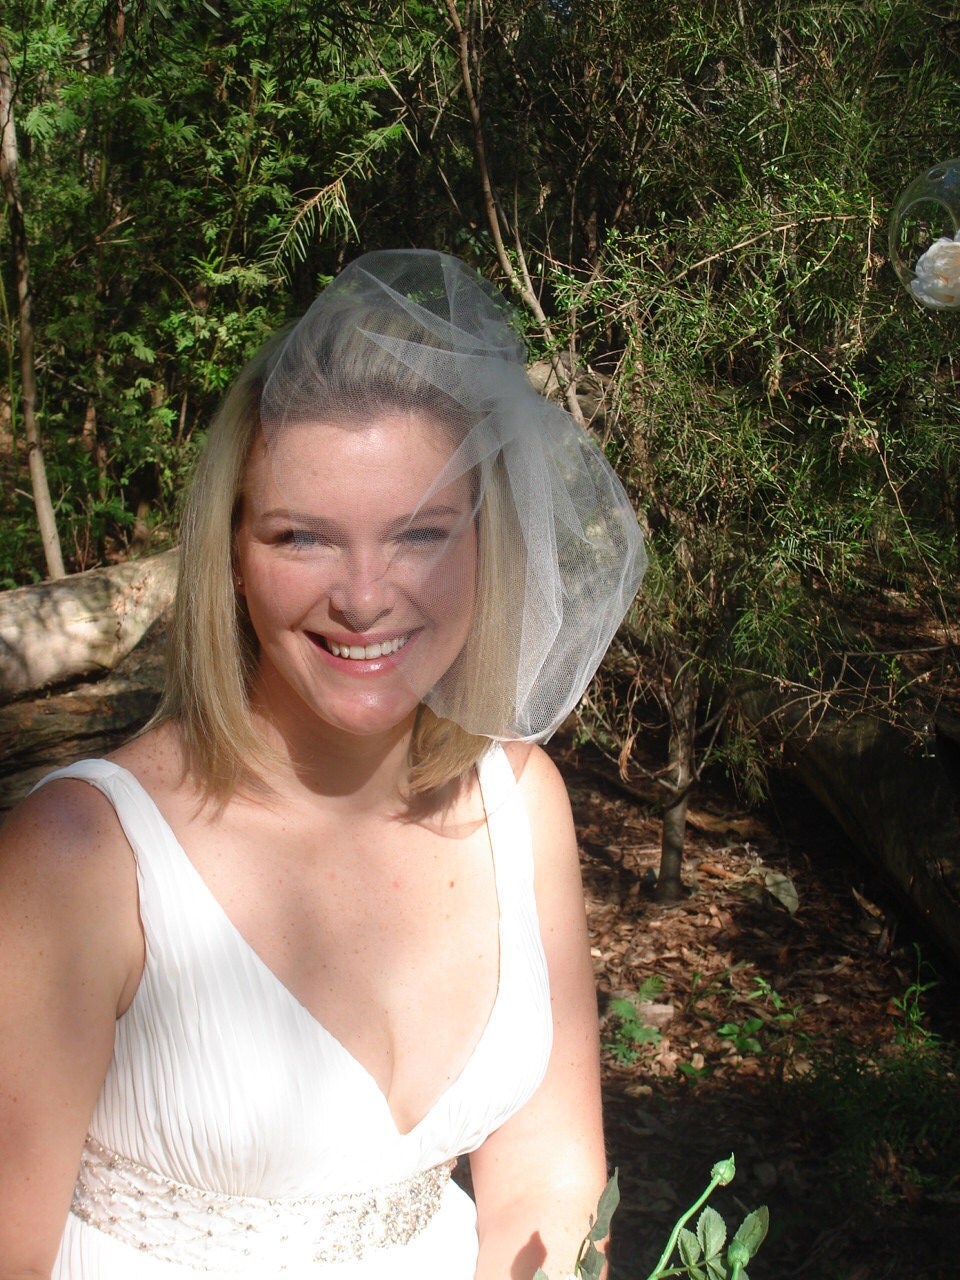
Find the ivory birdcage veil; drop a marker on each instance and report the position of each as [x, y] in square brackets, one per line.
[561, 555]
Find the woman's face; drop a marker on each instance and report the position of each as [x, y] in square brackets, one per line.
[360, 592]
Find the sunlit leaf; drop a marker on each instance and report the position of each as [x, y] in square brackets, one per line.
[782, 888]
[592, 1262]
[711, 1232]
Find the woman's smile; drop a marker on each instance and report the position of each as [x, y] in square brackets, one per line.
[355, 649]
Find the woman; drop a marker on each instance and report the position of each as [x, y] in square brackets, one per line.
[270, 968]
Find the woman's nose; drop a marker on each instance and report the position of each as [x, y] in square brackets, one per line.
[362, 593]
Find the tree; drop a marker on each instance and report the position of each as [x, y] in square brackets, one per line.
[187, 179]
[10, 178]
[697, 197]
[785, 416]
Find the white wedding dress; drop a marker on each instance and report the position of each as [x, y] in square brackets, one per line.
[236, 1137]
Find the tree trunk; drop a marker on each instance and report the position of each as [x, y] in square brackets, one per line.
[680, 698]
[10, 177]
[57, 631]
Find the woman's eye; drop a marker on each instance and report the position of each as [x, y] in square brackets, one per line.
[425, 536]
[299, 539]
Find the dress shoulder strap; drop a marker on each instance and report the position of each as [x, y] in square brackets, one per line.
[164, 873]
[507, 823]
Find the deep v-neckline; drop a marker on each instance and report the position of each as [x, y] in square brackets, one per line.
[354, 1062]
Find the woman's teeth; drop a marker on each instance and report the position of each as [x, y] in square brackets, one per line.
[367, 651]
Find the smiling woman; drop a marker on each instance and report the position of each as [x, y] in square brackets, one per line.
[277, 964]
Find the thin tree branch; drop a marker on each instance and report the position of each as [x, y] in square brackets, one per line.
[520, 280]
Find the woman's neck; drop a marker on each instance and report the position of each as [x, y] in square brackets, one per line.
[310, 757]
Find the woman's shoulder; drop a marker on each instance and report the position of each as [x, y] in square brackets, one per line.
[68, 883]
[546, 801]
[67, 832]
[59, 818]
[537, 776]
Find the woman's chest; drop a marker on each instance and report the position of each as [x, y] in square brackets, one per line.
[389, 940]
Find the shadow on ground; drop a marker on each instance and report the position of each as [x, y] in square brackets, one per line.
[842, 1106]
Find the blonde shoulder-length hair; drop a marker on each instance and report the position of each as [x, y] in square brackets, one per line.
[213, 649]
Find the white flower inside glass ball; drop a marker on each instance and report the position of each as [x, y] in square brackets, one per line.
[924, 237]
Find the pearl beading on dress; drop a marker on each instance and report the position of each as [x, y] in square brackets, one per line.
[207, 1230]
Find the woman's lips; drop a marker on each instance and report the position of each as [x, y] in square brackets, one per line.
[372, 656]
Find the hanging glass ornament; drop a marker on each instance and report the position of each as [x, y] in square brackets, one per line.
[924, 237]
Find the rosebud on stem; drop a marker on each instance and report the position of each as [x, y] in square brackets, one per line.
[721, 1174]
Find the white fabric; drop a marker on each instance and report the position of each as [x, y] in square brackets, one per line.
[222, 1080]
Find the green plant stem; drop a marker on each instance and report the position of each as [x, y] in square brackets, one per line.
[678, 1227]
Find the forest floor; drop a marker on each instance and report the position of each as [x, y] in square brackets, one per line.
[820, 1046]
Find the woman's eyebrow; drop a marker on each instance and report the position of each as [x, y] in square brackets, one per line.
[436, 512]
[307, 520]
[323, 524]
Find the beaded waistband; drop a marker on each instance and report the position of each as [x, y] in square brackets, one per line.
[206, 1230]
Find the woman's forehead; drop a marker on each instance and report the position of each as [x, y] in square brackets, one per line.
[401, 456]
[385, 428]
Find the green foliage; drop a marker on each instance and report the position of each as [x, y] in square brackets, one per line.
[590, 1261]
[911, 1029]
[887, 1117]
[188, 176]
[702, 1253]
[787, 418]
[742, 1035]
[628, 1033]
[887, 1121]
[764, 1033]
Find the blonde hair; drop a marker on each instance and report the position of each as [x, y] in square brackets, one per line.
[213, 650]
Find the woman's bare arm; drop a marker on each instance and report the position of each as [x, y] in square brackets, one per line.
[71, 953]
[539, 1177]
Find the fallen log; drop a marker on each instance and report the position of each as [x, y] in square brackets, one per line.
[896, 798]
[39, 734]
[58, 631]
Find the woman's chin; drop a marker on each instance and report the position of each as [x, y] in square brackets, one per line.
[361, 717]
[391, 722]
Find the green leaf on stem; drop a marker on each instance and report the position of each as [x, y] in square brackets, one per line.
[711, 1233]
[609, 1200]
[752, 1232]
[690, 1253]
[591, 1263]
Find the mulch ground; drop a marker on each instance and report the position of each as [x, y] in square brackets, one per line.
[748, 1001]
